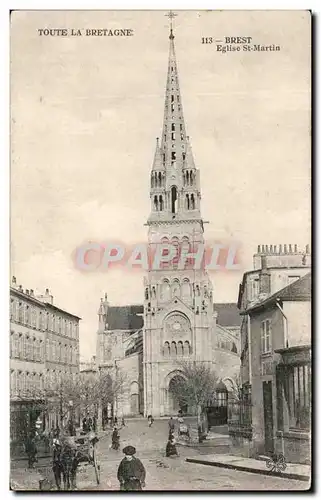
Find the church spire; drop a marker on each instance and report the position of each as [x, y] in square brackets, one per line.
[175, 192]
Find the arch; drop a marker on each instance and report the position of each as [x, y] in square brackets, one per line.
[187, 202]
[160, 178]
[180, 350]
[176, 288]
[134, 398]
[187, 348]
[192, 205]
[165, 290]
[161, 203]
[173, 349]
[175, 404]
[186, 288]
[152, 181]
[166, 349]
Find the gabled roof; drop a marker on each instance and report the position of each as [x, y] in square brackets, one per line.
[299, 290]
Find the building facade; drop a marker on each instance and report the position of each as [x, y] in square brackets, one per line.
[178, 320]
[44, 349]
[275, 304]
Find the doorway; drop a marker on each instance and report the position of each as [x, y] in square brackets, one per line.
[268, 417]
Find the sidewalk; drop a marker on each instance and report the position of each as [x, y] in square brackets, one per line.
[292, 471]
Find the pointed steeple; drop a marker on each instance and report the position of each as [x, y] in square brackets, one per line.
[175, 192]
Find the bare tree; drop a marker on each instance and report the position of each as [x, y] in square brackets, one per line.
[196, 387]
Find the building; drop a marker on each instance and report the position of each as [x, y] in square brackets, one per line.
[275, 304]
[44, 348]
[178, 320]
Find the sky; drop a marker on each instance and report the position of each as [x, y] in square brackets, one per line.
[85, 114]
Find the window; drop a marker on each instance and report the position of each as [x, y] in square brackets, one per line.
[298, 395]
[21, 312]
[291, 279]
[266, 336]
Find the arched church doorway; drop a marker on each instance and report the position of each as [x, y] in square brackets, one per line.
[175, 404]
[217, 408]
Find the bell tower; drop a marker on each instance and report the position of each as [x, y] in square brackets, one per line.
[178, 309]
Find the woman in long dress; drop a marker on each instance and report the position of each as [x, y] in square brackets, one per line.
[171, 450]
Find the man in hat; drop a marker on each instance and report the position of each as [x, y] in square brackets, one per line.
[131, 472]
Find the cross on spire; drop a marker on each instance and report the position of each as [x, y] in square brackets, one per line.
[171, 16]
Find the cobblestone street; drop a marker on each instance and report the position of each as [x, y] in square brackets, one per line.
[162, 473]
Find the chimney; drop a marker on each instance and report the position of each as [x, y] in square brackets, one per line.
[280, 248]
[20, 288]
[31, 292]
[47, 291]
[307, 249]
[285, 249]
[274, 249]
[27, 291]
[271, 248]
[264, 281]
[14, 281]
[295, 248]
[290, 248]
[259, 249]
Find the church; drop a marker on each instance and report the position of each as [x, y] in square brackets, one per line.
[178, 319]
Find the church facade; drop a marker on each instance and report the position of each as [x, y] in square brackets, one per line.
[178, 320]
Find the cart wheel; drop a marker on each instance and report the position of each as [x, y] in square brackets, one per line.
[96, 467]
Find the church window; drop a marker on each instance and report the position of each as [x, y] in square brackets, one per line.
[187, 202]
[166, 349]
[161, 203]
[173, 136]
[160, 178]
[180, 350]
[173, 349]
[21, 312]
[192, 202]
[184, 156]
[174, 200]
[187, 349]
[164, 137]
[173, 127]
[191, 177]
[172, 108]
[164, 158]
[27, 315]
[187, 177]
[182, 137]
[181, 127]
[172, 98]
[155, 203]
[174, 155]
[186, 290]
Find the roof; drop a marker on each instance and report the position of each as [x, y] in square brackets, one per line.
[227, 314]
[125, 317]
[61, 310]
[131, 317]
[299, 290]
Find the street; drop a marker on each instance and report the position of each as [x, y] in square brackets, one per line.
[161, 473]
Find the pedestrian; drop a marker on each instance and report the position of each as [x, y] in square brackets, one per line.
[131, 472]
[123, 422]
[115, 439]
[56, 462]
[69, 461]
[150, 420]
[115, 421]
[171, 449]
[31, 449]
